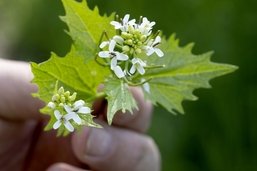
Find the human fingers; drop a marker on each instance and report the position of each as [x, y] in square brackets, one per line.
[64, 167]
[115, 149]
[16, 102]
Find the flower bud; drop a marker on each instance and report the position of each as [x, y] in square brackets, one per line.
[138, 51]
[72, 97]
[55, 97]
[62, 99]
[51, 105]
[129, 42]
[125, 48]
[61, 90]
[143, 38]
[67, 94]
[131, 51]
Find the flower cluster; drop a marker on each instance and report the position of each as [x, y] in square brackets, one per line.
[65, 109]
[123, 50]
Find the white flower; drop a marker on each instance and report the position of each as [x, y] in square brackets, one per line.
[146, 26]
[78, 108]
[72, 113]
[114, 55]
[123, 26]
[151, 47]
[138, 65]
[64, 119]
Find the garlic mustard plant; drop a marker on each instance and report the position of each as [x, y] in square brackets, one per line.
[117, 53]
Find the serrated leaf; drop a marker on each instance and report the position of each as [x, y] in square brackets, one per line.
[72, 73]
[183, 73]
[119, 98]
[86, 26]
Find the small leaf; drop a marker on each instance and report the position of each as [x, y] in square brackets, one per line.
[183, 73]
[119, 98]
[86, 27]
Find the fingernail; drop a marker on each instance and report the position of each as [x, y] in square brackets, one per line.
[98, 143]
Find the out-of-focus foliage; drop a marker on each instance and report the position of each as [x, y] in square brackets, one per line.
[218, 132]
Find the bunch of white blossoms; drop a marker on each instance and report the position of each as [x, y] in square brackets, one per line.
[124, 48]
[65, 109]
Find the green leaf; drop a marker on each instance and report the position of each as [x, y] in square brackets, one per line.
[86, 26]
[74, 75]
[183, 73]
[70, 71]
[119, 98]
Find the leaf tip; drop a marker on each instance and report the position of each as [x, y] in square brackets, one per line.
[109, 120]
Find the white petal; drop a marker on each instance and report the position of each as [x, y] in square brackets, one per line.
[103, 44]
[152, 24]
[74, 117]
[113, 63]
[68, 126]
[112, 45]
[57, 124]
[132, 22]
[157, 40]
[118, 72]
[141, 63]
[104, 54]
[132, 69]
[148, 32]
[122, 57]
[134, 61]
[78, 104]
[126, 19]
[118, 39]
[140, 69]
[159, 52]
[146, 87]
[116, 24]
[67, 108]
[145, 20]
[150, 43]
[84, 110]
[57, 114]
[149, 51]
[124, 28]
[51, 105]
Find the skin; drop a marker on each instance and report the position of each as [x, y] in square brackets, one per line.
[25, 146]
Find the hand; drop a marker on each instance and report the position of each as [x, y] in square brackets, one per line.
[25, 146]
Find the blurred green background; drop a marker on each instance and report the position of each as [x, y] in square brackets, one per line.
[219, 131]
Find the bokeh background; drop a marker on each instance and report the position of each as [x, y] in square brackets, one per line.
[219, 131]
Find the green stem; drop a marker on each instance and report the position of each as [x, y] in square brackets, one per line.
[102, 64]
[135, 84]
[154, 66]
